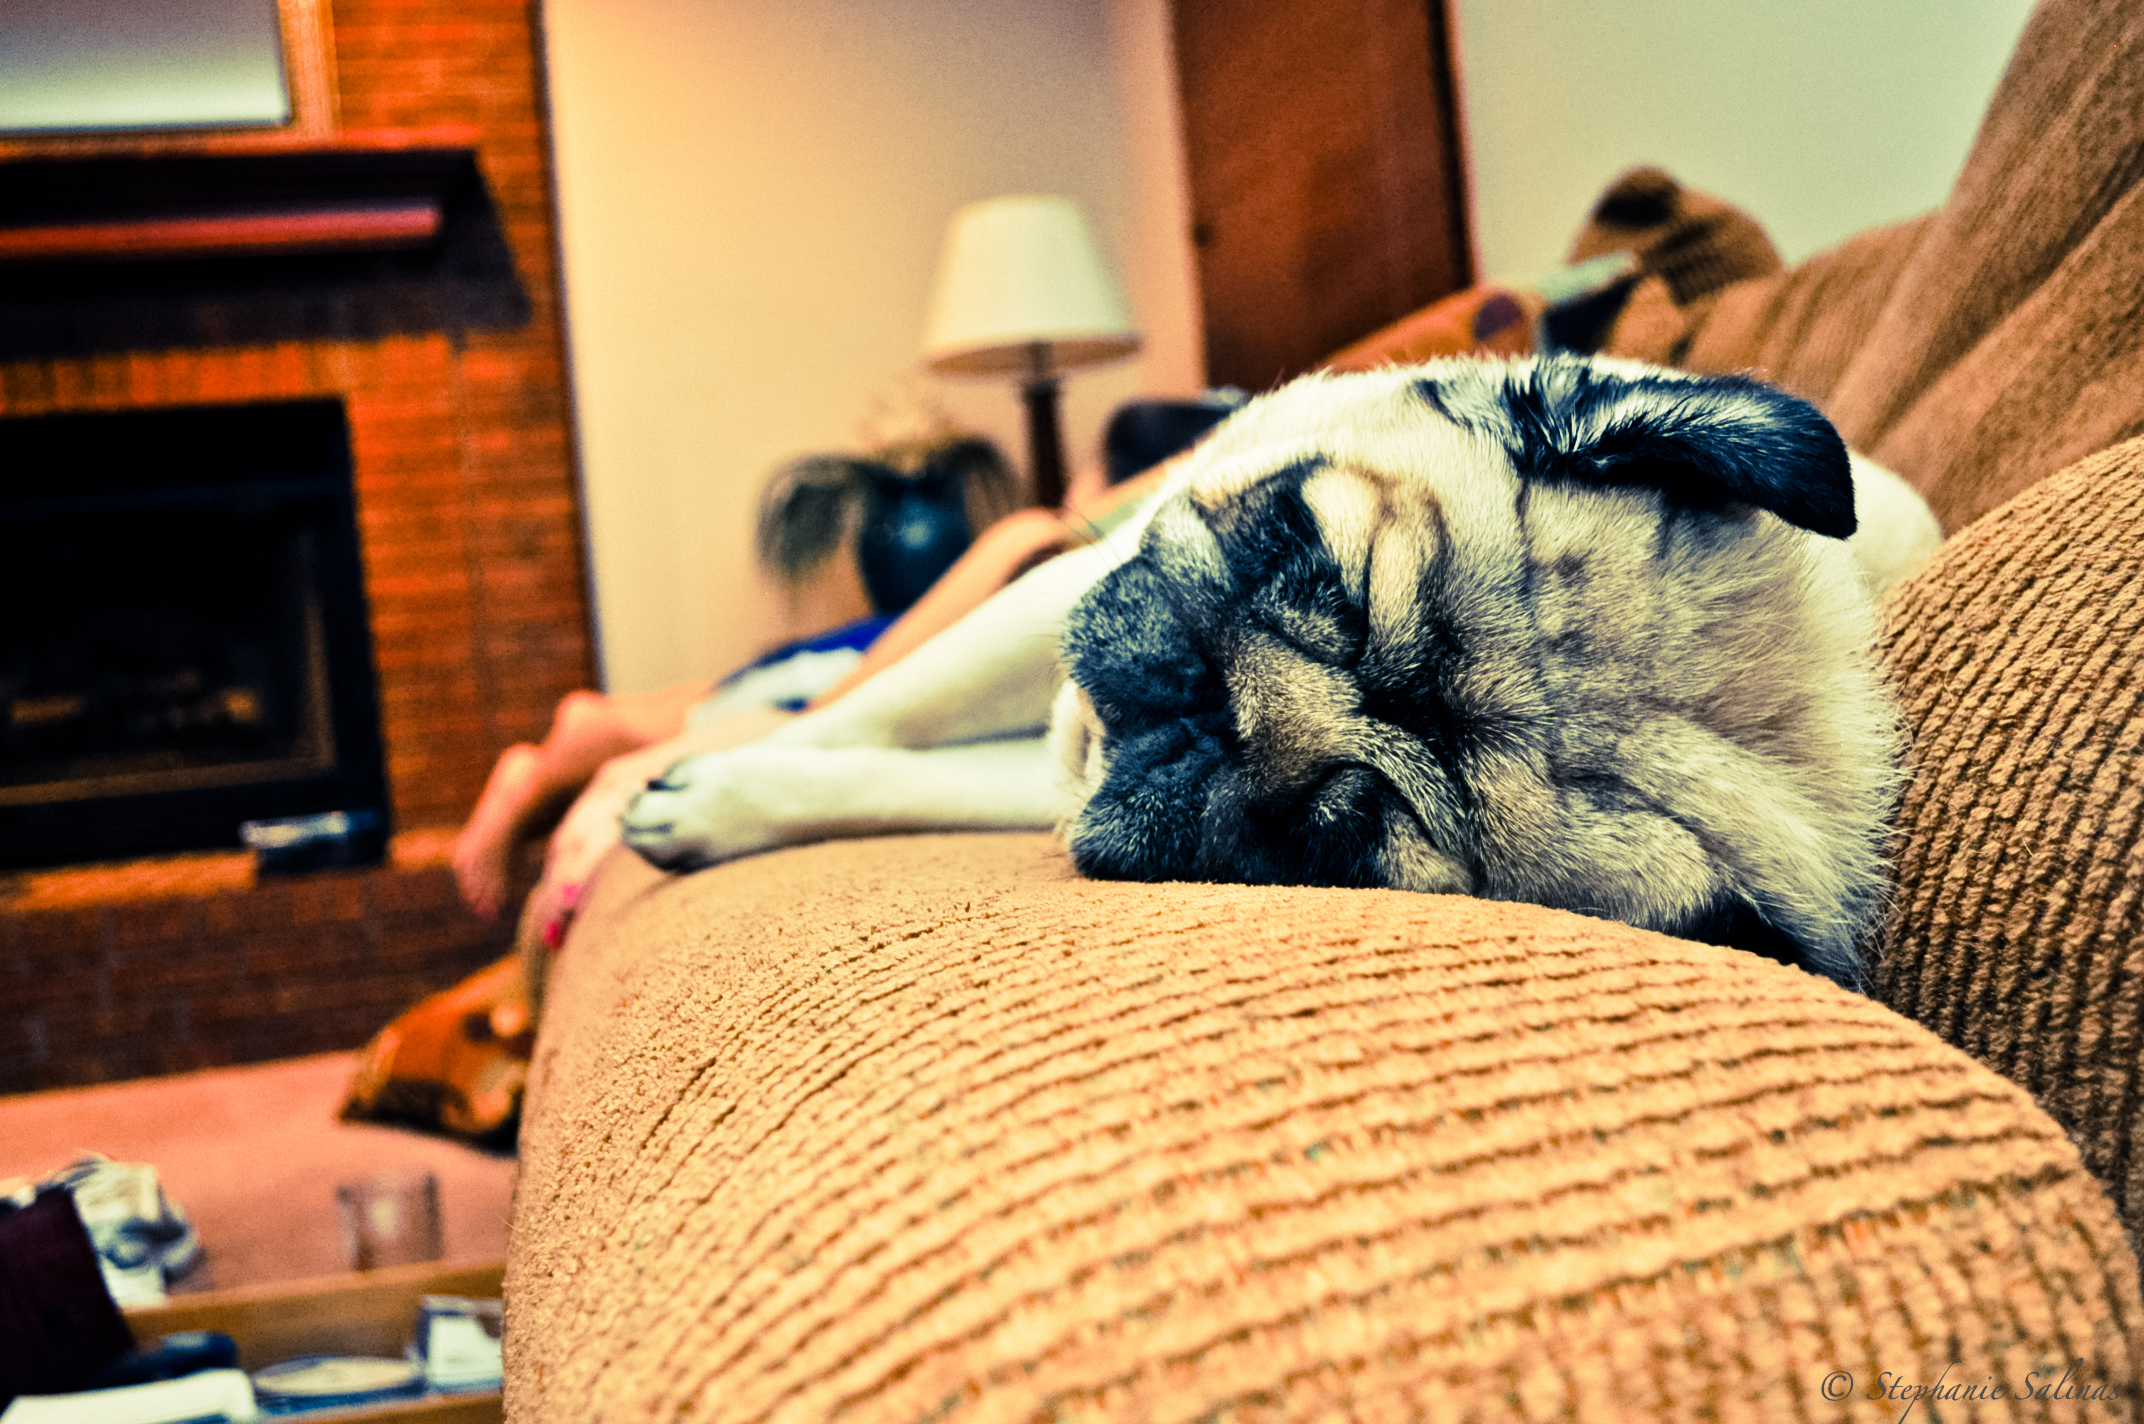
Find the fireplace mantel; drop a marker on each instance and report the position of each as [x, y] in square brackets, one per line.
[369, 235]
[447, 357]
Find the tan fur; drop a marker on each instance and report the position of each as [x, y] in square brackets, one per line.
[1715, 680]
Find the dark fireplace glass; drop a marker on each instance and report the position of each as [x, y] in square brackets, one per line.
[186, 645]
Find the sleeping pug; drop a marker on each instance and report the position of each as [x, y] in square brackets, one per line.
[1564, 630]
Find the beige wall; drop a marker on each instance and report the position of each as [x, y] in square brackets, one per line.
[752, 195]
[1821, 117]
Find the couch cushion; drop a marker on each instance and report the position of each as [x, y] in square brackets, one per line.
[2016, 930]
[928, 1128]
[1799, 329]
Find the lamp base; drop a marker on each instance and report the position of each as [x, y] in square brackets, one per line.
[1045, 441]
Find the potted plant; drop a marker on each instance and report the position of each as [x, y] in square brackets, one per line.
[908, 510]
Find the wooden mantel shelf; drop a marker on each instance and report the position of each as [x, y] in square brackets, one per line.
[360, 192]
[17, 148]
[341, 227]
[269, 239]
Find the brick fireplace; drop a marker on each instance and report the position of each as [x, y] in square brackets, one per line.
[469, 539]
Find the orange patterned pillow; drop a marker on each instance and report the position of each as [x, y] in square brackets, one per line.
[454, 1063]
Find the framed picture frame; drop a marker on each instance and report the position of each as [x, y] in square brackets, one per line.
[304, 37]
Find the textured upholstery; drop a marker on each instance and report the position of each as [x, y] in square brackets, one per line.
[2016, 931]
[926, 1128]
[1801, 329]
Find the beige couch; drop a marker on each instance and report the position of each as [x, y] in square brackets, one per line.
[930, 1128]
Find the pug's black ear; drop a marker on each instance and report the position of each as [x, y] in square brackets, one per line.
[1700, 439]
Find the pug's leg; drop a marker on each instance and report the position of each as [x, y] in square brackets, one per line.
[992, 674]
[720, 805]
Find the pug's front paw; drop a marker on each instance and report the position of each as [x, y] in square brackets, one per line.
[699, 812]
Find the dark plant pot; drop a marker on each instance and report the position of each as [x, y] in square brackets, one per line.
[913, 530]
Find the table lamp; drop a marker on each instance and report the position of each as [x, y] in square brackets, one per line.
[1022, 291]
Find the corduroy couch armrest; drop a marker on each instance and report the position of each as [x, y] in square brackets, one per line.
[2017, 929]
[928, 1128]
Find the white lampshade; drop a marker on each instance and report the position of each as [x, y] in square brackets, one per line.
[1021, 285]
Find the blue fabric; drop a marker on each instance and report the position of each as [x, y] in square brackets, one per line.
[858, 635]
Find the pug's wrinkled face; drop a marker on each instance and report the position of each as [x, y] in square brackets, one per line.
[1573, 632]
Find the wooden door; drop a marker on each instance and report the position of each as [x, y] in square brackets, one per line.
[1328, 195]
